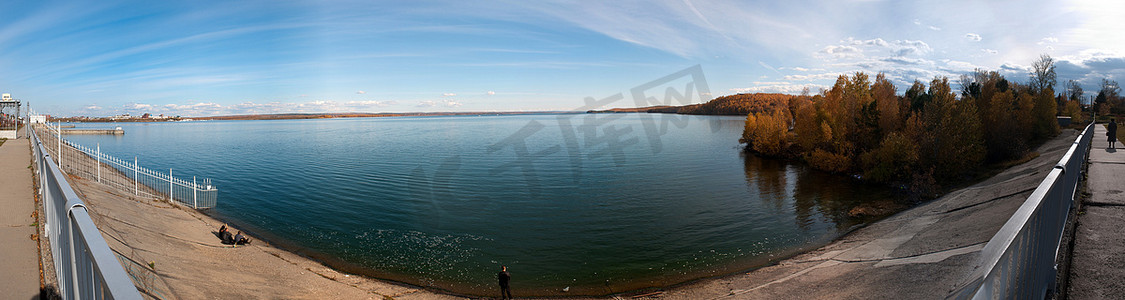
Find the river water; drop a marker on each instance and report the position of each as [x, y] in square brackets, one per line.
[598, 203]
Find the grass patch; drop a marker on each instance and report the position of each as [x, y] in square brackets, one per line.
[1120, 134]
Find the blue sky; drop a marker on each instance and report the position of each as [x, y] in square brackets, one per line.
[195, 58]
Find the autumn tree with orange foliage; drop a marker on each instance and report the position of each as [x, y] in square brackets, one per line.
[923, 137]
[740, 104]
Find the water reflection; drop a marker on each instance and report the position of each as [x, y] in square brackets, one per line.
[814, 196]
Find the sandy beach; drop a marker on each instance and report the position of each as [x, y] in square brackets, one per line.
[172, 253]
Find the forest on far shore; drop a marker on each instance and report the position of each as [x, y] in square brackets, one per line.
[922, 138]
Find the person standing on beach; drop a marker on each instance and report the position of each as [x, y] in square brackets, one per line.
[1112, 128]
[504, 277]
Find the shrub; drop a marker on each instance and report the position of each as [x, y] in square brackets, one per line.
[827, 161]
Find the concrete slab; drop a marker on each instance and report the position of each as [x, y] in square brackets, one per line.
[1105, 183]
[19, 255]
[1098, 259]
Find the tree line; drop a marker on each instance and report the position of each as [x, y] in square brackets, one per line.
[925, 136]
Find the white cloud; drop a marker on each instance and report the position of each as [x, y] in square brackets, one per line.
[1048, 40]
[490, 93]
[935, 28]
[802, 69]
[444, 103]
[448, 94]
[973, 37]
[138, 106]
[369, 103]
[906, 60]
[780, 87]
[990, 51]
[821, 76]
[908, 47]
[842, 51]
[361, 92]
[852, 48]
[93, 107]
[214, 109]
[767, 66]
[960, 66]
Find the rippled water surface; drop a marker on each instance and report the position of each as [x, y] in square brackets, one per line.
[600, 203]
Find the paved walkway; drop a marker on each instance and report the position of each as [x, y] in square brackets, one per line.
[1098, 260]
[19, 259]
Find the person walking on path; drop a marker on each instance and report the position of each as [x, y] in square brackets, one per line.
[1112, 133]
[504, 277]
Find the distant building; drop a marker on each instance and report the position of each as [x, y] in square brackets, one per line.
[37, 119]
[145, 116]
[9, 116]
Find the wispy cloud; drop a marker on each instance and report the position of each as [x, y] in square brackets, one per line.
[253, 58]
[196, 109]
[441, 103]
[781, 87]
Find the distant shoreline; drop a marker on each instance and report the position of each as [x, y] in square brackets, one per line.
[734, 105]
[664, 109]
[301, 116]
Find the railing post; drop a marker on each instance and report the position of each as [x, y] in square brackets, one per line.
[58, 130]
[73, 258]
[136, 178]
[99, 155]
[194, 193]
[169, 184]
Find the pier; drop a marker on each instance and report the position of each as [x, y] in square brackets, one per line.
[115, 131]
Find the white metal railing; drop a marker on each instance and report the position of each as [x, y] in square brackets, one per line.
[1019, 261]
[85, 266]
[127, 176]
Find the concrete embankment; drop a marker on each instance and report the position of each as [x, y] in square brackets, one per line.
[921, 253]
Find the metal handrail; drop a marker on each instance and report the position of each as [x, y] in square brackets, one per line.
[1019, 261]
[85, 266]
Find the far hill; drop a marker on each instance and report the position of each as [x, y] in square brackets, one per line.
[734, 105]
